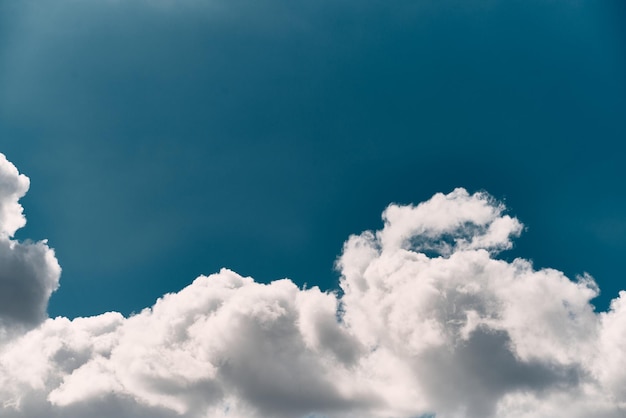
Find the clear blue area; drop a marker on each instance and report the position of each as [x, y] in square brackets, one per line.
[167, 139]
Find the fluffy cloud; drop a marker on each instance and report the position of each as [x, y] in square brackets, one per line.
[29, 272]
[427, 321]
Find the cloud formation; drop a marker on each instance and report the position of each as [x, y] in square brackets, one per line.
[29, 272]
[427, 321]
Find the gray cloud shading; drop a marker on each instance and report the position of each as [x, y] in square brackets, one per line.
[29, 272]
[428, 321]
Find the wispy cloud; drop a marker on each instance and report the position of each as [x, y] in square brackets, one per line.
[427, 320]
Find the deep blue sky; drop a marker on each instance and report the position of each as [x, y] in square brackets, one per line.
[168, 139]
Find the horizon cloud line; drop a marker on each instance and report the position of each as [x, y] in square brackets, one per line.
[427, 321]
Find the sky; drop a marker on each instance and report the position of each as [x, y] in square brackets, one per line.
[162, 142]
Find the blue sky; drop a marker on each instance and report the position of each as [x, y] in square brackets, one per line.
[165, 140]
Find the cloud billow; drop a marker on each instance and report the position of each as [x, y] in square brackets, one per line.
[428, 322]
[29, 272]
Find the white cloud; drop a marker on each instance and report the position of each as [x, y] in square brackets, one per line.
[429, 321]
[29, 272]
[13, 186]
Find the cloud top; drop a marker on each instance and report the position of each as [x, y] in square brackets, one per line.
[448, 223]
[427, 321]
[13, 186]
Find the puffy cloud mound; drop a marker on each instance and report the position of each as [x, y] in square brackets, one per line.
[29, 272]
[428, 322]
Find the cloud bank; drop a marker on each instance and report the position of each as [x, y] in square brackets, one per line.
[427, 322]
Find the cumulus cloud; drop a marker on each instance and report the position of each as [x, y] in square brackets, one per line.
[427, 321]
[29, 272]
